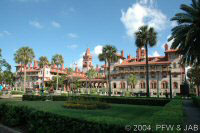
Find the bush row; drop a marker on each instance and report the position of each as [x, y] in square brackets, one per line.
[196, 101]
[38, 121]
[83, 104]
[115, 100]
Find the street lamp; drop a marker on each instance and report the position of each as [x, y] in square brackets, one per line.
[170, 80]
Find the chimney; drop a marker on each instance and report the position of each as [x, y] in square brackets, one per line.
[129, 57]
[54, 66]
[76, 70]
[62, 67]
[122, 53]
[35, 64]
[166, 47]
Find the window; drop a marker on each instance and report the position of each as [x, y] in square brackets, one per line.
[47, 72]
[153, 75]
[153, 85]
[164, 75]
[142, 85]
[114, 85]
[122, 77]
[175, 85]
[175, 75]
[141, 68]
[141, 76]
[122, 85]
[165, 85]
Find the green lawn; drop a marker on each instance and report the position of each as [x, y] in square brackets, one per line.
[117, 114]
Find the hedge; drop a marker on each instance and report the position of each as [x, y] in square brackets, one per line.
[196, 101]
[34, 121]
[115, 100]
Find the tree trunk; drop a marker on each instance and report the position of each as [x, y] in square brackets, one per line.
[147, 71]
[106, 75]
[43, 82]
[57, 81]
[198, 90]
[24, 78]
[158, 91]
[109, 93]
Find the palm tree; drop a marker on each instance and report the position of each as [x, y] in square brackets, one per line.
[24, 56]
[194, 77]
[132, 80]
[103, 58]
[109, 53]
[90, 75]
[43, 61]
[145, 37]
[58, 60]
[186, 35]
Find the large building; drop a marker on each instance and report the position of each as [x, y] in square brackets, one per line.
[159, 70]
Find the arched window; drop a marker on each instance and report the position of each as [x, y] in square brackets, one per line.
[142, 85]
[122, 85]
[175, 85]
[165, 85]
[153, 85]
[114, 85]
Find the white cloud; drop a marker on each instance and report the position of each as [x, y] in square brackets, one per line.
[55, 24]
[155, 54]
[72, 35]
[98, 49]
[140, 14]
[36, 24]
[73, 46]
[174, 24]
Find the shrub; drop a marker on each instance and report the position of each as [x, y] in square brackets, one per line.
[196, 101]
[16, 92]
[85, 104]
[39, 121]
[116, 100]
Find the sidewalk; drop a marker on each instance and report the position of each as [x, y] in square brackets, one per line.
[5, 129]
[192, 116]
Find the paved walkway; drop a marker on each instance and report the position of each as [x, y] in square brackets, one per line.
[5, 129]
[192, 114]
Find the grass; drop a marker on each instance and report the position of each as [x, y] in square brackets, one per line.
[118, 113]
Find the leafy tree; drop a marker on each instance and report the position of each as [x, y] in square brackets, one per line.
[185, 36]
[61, 81]
[43, 61]
[194, 77]
[132, 80]
[145, 37]
[103, 58]
[110, 56]
[91, 74]
[4, 66]
[58, 60]
[24, 56]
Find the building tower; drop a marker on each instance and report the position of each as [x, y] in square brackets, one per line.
[87, 61]
[141, 53]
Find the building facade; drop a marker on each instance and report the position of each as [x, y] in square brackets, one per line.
[159, 73]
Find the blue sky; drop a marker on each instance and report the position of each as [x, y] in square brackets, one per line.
[68, 27]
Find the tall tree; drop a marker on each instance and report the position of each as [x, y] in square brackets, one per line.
[24, 56]
[58, 60]
[194, 77]
[43, 61]
[103, 58]
[91, 74]
[145, 37]
[132, 80]
[110, 56]
[185, 35]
